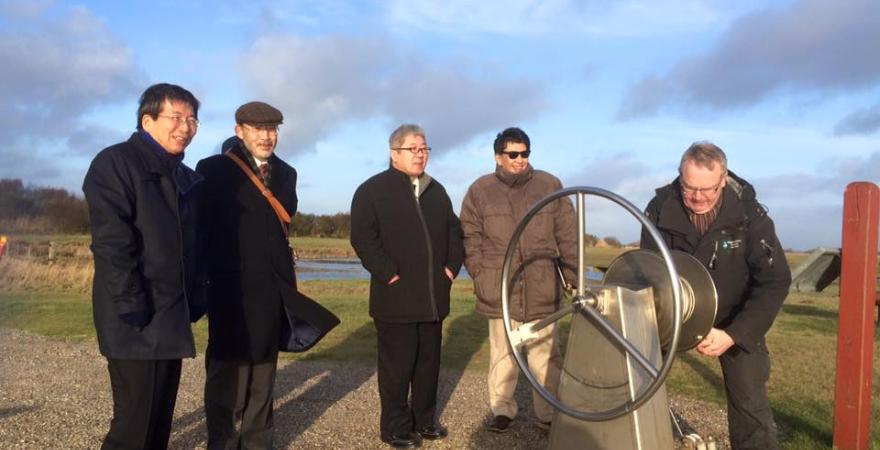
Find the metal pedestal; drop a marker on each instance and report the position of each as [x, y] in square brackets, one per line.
[598, 376]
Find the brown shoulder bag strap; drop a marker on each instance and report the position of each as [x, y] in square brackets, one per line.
[282, 214]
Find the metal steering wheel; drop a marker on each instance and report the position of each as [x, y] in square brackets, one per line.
[584, 303]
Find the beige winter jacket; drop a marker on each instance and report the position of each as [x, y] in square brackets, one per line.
[492, 208]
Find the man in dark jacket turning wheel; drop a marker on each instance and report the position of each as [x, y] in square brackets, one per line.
[407, 236]
[713, 215]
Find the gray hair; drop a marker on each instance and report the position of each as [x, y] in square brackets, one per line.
[704, 154]
[400, 134]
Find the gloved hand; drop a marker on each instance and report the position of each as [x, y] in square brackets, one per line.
[138, 319]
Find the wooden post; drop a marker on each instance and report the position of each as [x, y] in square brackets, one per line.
[855, 335]
[51, 252]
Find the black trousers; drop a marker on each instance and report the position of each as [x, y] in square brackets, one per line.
[144, 393]
[238, 403]
[408, 357]
[749, 418]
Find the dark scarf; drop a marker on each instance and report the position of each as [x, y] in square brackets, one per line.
[702, 222]
[184, 178]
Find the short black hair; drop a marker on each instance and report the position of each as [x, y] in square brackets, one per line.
[152, 99]
[512, 134]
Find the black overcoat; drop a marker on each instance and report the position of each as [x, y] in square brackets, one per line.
[395, 234]
[740, 250]
[252, 294]
[145, 253]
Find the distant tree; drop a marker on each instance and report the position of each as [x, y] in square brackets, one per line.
[25, 209]
[341, 225]
[613, 242]
[302, 224]
[590, 240]
[40, 210]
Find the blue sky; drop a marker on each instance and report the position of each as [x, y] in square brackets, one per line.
[611, 92]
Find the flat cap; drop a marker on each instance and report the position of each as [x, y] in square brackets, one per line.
[258, 113]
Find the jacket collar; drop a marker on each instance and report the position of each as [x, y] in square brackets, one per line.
[514, 180]
[279, 177]
[150, 159]
[674, 216]
[424, 179]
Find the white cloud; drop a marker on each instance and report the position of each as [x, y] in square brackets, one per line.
[812, 46]
[555, 17]
[325, 82]
[57, 70]
[59, 66]
[863, 121]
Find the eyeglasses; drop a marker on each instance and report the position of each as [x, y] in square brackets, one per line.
[513, 155]
[271, 129]
[413, 150]
[687, 190]
[179, 120]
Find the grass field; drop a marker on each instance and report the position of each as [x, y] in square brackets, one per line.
[802, 342]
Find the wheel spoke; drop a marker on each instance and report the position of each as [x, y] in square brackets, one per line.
[593, 316]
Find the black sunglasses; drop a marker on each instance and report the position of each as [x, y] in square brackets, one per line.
[514, 155]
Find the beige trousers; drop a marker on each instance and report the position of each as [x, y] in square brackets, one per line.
[545, 362]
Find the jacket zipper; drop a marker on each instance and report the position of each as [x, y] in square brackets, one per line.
[430, 259]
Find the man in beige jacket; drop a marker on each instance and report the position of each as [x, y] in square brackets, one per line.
[493, 206]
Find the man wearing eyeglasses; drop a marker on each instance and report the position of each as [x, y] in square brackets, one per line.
[712, 214]
[407, 236]
[147, 286]
[252, 299]
[492, 208]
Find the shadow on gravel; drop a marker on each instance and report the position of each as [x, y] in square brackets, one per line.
[522, 434]
[459, 348]
[290, 418]
[6, 413]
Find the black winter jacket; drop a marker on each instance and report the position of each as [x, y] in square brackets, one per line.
[740, 250]
[252, 295]
[144, 240]
[393, 233]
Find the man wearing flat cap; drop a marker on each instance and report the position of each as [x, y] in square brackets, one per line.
[254, 308]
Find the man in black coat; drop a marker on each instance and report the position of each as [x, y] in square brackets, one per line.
[253, 306]
[407, 236]
[147, 287]
[713, 215]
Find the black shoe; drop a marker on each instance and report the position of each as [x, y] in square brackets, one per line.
[433, 432]
[409, 440]
[500, 424]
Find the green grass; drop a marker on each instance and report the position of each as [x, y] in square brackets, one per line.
[315, 247]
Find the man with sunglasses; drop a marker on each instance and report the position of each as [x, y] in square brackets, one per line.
[713, 215]
[492, 208]
[147, 286]
[407, 236]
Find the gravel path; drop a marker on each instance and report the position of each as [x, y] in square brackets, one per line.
[56, 394]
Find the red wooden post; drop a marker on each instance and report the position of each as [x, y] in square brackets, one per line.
[855, 335]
